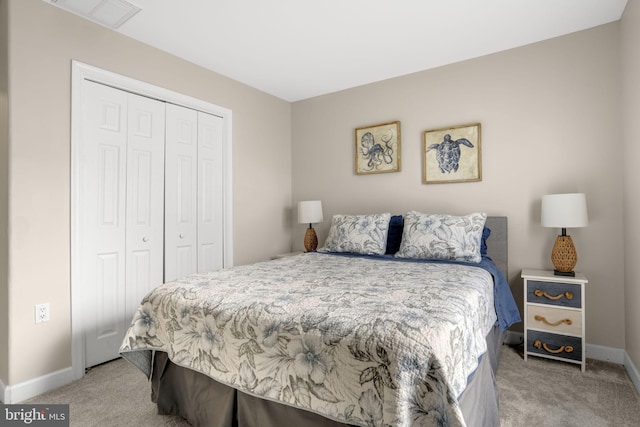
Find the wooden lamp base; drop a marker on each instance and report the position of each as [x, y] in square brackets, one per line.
[564, 256]
[310, 240]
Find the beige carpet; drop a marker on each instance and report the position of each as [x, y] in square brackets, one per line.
[547, 393]
[115, 394]
[540, 392]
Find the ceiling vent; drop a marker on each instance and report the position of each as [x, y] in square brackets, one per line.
[111, 13]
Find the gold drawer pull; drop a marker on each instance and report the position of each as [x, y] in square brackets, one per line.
[539, 293]
[537, 344]
[544, 320]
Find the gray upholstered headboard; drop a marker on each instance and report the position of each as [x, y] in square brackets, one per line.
[497, 247]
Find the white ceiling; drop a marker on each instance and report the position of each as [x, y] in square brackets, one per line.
[297, 49]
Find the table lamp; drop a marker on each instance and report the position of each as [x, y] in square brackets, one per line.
[310, 212]
[564, 211]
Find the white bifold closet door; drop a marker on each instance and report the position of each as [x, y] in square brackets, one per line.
[194, 183]
[151, 192]
[122, 224]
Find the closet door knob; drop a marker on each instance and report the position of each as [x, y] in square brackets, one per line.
[145, 239]
[181, 236]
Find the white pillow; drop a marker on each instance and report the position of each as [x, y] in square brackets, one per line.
[360, 234]
[438, 236]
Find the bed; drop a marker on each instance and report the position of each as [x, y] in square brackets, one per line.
[371, 330]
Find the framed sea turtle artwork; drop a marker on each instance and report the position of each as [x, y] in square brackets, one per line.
[378, 148]
[452, 154]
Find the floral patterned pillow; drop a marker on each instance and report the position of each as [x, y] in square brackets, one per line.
[438, 236]
[360, 234]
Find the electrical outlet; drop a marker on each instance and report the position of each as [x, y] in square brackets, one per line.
[42, 312]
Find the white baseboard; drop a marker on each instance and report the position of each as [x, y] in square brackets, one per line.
[36, 386]
[2, 391]
[606, 354]
[632, 370]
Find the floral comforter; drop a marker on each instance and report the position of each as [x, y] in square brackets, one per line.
[362, 341]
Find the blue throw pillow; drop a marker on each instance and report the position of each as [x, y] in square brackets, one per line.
[394, 237]
[483, 243]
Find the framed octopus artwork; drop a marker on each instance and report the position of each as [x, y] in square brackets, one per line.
[452, 155]
[378, 148]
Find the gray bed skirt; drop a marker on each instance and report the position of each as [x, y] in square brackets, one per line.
[205, 402]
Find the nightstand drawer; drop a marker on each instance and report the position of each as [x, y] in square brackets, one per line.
[554, 320]
[554, 293]
[561, 346]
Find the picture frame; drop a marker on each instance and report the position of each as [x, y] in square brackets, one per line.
[377, 148]
[452, 154]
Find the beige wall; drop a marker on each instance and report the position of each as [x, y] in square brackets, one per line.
[550, 116]
[4, 183]
[631, 106]
[42, 42]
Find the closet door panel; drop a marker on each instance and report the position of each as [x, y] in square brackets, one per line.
[181, 181]
[147, 189]
[103, 224]
[210, 187]
[145, 198]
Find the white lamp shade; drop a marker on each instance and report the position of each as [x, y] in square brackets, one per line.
[310, 212]
[564, 210]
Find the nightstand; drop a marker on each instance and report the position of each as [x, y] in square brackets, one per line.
[554, 308]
